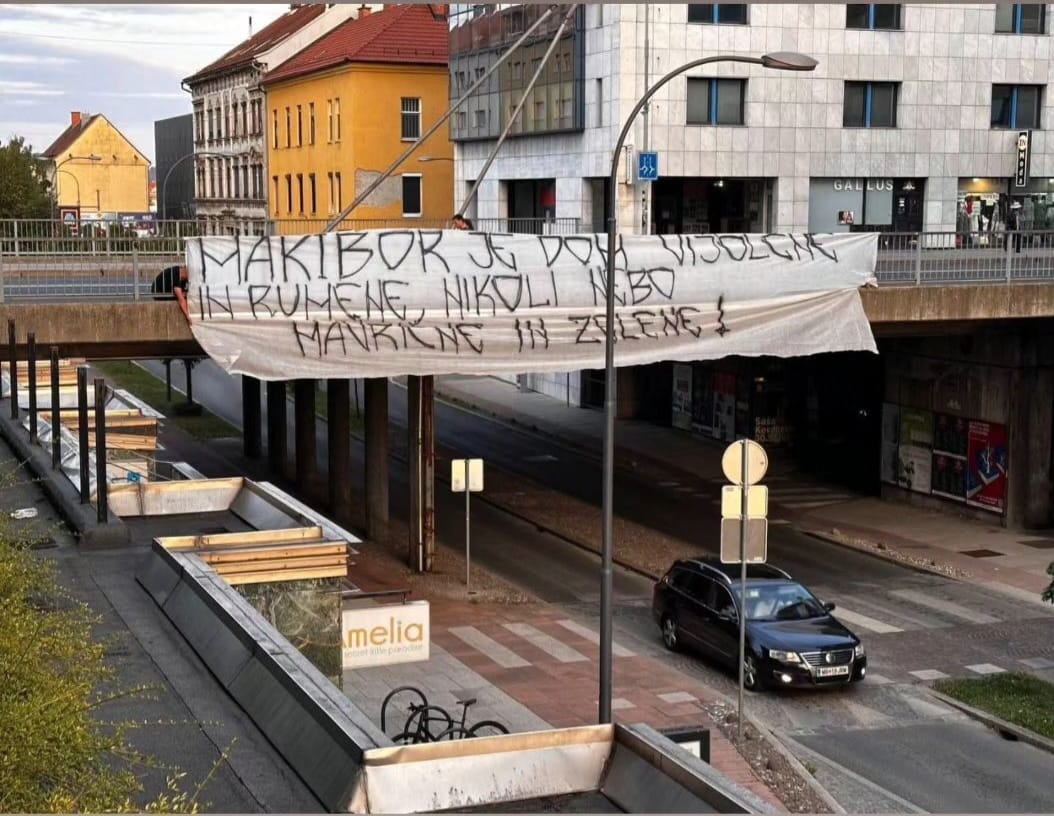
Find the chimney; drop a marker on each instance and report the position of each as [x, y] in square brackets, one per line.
[439, 10]
[364, 11]
[75, 117]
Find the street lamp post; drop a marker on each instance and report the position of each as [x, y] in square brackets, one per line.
[175, 164]
[785, 61]
[76, 182]
[91, 157]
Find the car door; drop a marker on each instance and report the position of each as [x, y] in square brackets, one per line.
[698, 615]
[724, 628]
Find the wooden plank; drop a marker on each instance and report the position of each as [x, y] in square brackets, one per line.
[264, 553]
[126, 442]
[291, 575]
[290, 534]
[280, 566]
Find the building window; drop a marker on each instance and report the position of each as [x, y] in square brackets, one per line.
[411, 118]
[411, 195]
[336, 118]
[311, 122]
[314, 192]
[481, 119]
[716, 101]
[600, 102]
[274, 128]
[329, 119]
[300, 191]
[332, 195]
[870, 104]
[718, 13]
[873, 16]
[340, 192]
[1016, 106]
[288, 128]
[245, 118]
[275, 180]
[299, 127]
[462, 121]
[1020, 18]
[516, 71]
[288, 194]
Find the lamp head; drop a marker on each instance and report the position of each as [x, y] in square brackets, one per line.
[789, 61]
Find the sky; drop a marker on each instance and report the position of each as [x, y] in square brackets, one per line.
[124, 61]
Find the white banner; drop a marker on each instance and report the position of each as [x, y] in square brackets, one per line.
[383, 303]
[383, 635]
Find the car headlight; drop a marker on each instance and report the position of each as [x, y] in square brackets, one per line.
[784, 657]
[858, 651]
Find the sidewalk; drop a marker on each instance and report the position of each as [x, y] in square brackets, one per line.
[1014, 562]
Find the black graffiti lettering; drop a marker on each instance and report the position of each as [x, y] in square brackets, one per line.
[600, 241]
[221, 262]
[798, 246]
[393, 247]
[638, 282]
[480, 294]
[486, 245]
[496, 250]
[288, 255]
[266, 258]
[314, 336]
[450, 297]
[531, 302]
[255, 301]
[362, 335]
[296, 301]
[537, 334]
[713, 244]
[338, 330]
[721, 329]
[544, 240]
[583, 322]
[669, 321]
[343, 302]
[464, 330]
[579, 240]
[722, 239]
[365, 254]
[326, 304]
[224, 305]
[511, 300]
[679, 252]
[600, 289]
[623, 334]
[373, 301]
[684, 316]
[447, 335]
[773, 249]
[753, 247]
[639, 317]
[378, 330]
[201, 300]
[662, 278]
[428, 250]
[408, 331]
[391, 299]
[829, 253]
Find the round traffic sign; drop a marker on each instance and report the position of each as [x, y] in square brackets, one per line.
[757, 462]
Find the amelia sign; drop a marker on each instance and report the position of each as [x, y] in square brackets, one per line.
[382, 635]
[384, 303]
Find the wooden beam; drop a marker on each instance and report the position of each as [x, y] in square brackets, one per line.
[288, 575]
[327, 548]
[278, 567]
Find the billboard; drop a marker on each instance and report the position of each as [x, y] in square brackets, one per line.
[915, 457]
[987, 466]
[384, 635]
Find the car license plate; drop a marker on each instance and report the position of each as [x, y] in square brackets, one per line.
[832, 671]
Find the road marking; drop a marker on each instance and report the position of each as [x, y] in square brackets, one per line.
[504, 657]
[1038, 663]
[621, 703]
[864, 622]
[586, 633]
[541, 457]
[986, 668]
[548, 644]
[929, 674]
[865, 715]
[947, 607]
[678, 697]
[926, 710]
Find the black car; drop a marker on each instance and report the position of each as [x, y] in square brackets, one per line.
[791, 637]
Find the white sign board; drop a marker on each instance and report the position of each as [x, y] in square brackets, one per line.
[383, 303]
[732, 538]
[474, 475]
[383, 635]
[757, 462]
[732, 501]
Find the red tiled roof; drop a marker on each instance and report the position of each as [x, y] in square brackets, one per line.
[402, 34]
[264, 39]
[69, 136]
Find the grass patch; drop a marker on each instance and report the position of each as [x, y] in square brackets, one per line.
[151, 390]
[1017, 698]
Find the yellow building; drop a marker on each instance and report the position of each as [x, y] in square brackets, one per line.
[343, 109]
[95, 168]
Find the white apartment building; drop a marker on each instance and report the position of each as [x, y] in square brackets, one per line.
[229, 124]
[913, 109]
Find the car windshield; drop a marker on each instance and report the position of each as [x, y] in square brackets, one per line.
[784, 601]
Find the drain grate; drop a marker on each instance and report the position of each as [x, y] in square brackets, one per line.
[982, 553]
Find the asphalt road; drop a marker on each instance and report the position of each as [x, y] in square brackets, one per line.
[859, 738]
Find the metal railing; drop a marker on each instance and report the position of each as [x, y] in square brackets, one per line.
[948, 258]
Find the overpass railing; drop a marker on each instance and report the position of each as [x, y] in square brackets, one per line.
[943, 258]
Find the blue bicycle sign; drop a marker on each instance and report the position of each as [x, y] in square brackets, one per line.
[647, 166]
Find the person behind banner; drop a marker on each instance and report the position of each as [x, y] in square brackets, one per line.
[463, 223]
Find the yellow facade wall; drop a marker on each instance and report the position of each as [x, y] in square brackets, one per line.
[370, 105]
[118, 182]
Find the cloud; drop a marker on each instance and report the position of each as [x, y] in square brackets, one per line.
[143, 94]
[14, 87]
[32, 59]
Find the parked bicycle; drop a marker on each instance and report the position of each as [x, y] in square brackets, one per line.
[432, 723]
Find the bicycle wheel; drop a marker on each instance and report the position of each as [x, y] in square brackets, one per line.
[453, 733]
[406, 691]
[487, 728]
[427, 721]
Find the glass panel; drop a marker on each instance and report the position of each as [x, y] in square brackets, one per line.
[853, 114]
[698, 101]
[857, 15]
[411, 195]
[1032, 15]
[723, 601]
[883, 104]
[1027, 106]
[1004, 18]
[730, 101]
[700, 12]
[1001, 105]
[887, 15]
[735, 13]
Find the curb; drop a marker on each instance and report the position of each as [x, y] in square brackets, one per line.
[799, 768]
[993, 722]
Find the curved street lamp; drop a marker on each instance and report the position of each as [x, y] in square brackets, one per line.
[76, 181]
[783, 61]
[175, 164]
[91, 157]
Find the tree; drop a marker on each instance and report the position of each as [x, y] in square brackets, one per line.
[25, 191]
[1048, 593]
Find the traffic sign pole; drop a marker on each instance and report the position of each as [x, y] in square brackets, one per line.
[743, 583]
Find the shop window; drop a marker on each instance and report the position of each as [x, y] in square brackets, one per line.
[870, 104]
[411, 195]
[716, 101]
[880, 16]
[1016, 106]
[411, 118]
[718, 13]
[1020, 18]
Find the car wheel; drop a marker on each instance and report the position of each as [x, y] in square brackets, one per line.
[752, 679]
[669, 633]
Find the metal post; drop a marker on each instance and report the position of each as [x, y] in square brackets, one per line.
[188, 364]
[428, 462]
[56, 411]
[31, 367]
[743, 583]
[1009, 241]
[338, 439]
[100, 451]
[918, 259]
[168, 380]
[135, 272]
[1, 277]
[376, 431]
[415, 553]
[82, 432]
[468, 551]
[251, 416]
[305, 436]
[276, 427]
[13, 366]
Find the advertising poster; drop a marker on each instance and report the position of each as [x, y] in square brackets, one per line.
[702, 399]
[949, 435]
[915, 460]
[725, 406]
[682, 396]
[949, 476]
[890, 442]
[986, 466]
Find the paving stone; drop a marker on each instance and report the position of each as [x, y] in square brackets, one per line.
[928, 674]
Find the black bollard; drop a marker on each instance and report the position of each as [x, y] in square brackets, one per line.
[31, 367]
[13, 364]
[82, 432]
[56, 412]
[100, 451]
